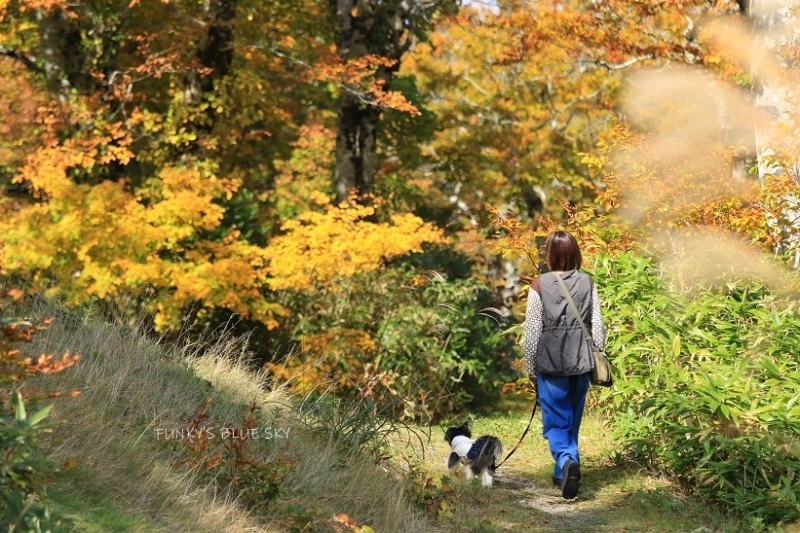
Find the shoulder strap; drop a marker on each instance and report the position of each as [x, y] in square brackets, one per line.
[572, 305]
[536, 285]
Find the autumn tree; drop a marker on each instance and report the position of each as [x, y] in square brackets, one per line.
[161, 162]
[521, 92]
[386, 30]
[134, 129]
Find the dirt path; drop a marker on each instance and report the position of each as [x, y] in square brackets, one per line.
[612, 499]
[554, 512]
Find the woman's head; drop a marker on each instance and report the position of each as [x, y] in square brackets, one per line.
[562, 252]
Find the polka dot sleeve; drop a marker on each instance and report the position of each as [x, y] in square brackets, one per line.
[598, 328]
[533, 330]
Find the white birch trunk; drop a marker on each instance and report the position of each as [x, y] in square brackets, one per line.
[776, 26]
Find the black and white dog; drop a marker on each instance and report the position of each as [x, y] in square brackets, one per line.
[479, 456]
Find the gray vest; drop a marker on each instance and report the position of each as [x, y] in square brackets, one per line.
[563, 349]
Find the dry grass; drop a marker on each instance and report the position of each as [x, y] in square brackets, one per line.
[124, 479]
[131, 387]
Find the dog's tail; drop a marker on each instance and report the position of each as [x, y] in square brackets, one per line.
[453, 460]
[484, 453]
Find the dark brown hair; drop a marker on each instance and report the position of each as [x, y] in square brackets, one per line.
[562, 252]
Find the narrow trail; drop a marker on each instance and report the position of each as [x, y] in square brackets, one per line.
[554, 512]
[612, 498]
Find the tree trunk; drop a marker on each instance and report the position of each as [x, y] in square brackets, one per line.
[62, 51]
[214, 51]
[356, 151]
[775, 26]
[383, 28]
[214, 56]
[76, 48]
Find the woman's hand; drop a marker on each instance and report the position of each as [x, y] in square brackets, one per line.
[532, 377]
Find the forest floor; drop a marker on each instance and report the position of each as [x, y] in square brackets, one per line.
[619, 499]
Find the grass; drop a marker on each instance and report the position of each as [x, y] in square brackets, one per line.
[125, 478]
[92, 517]
[612, 498]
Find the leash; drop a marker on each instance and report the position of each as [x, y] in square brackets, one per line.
[524, 433]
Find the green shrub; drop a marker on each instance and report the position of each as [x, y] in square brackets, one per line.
[23, 477]
[416, 343]
[707, 385]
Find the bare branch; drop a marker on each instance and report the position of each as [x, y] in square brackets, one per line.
[27, 60]
[616, 66]
[180, 15]
[473, 83]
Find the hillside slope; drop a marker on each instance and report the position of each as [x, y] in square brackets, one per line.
[135, 465]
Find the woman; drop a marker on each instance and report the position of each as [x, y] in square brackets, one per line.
[557, 354]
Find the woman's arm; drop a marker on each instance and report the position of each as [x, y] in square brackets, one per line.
[598, 328]
[532, 331]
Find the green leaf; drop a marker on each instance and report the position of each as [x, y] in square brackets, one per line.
[676, 346]
[18, 322]
[771, 367]
[39, 416]
[19, 407]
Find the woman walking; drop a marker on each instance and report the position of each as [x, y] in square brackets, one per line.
[557, 354]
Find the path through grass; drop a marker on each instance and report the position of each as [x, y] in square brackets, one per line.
[612, 498]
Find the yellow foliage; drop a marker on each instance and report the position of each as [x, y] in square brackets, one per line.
[107, 241]
[19, 99]
[326, 355]
[182, 201]
[356, 340]
[339, 243]
[300, 180]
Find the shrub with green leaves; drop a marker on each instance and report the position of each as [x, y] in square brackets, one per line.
[417, 342]
[23, 477]
[706, 385]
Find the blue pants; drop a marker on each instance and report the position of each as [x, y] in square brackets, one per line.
[562, 399]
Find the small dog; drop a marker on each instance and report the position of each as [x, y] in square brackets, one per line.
[479, 456]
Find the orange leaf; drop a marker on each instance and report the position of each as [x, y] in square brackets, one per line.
[344, 519]
[16, 294]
